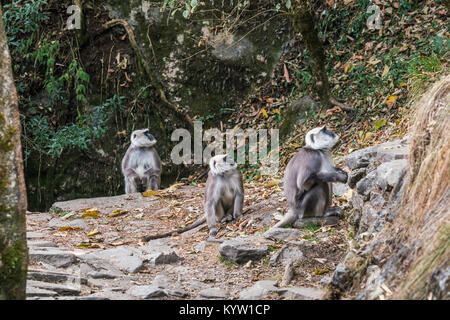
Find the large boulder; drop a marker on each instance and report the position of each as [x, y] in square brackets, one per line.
[241, 250]
[124, 258]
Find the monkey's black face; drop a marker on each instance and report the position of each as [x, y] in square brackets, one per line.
[321, 138]
[149, 136]
[329, 133]
[142, 138]
[221, 164]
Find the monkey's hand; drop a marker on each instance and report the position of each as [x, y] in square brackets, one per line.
[227, 218]
[341, 175]
[144, 181]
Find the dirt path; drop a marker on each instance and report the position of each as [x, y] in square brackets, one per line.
[113, 263]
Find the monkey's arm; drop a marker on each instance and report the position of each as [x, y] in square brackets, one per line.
[151, 172]
[168, 234]
[337, 175]
[129, 172]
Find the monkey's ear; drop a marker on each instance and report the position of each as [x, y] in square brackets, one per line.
[214, 163]
[312, 138]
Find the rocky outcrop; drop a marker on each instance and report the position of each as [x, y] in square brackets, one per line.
[376, 171]
[400, 249]
[218, 60]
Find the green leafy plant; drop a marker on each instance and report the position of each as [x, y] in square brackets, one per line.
[59, 211]
[21, 18]
[229, 263]
[421, 71]
[312, 226]
[88, 127]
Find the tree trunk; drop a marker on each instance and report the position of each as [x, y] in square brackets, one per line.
[304, 23]
[13, 202]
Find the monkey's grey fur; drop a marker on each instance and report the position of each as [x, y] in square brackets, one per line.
[141, 165]
[224, 197]
[308, 178]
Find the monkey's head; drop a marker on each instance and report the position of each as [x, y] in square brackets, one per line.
[220, 164]
[142, 139]
[321, 138]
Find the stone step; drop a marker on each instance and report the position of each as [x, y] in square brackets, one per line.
[60, 289]
[54, 276]
[54, 257]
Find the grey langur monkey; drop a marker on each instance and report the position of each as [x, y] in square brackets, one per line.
[308, 178]
[224, 197]
[141, 165]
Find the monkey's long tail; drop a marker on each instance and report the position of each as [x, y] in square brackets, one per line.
[171, 233]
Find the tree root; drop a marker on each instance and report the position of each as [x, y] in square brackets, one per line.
[289, 274]
[155, 83]
[341, 105]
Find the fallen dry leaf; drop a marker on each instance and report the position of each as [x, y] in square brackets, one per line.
[67, 228]
[286, 74]
[150, 193]
[117, 213]
[174, 187]
[93, 233]
[273, 183]
[391, 101]
[90, 213]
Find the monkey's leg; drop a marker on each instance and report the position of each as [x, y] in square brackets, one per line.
[293, 197]
[153, 179]
[153, 183]
[144, 184]
[156, 182]
[132, 181]
[213, 211]
[315, 203]
[130, 186]
[228, 210]
[237, 207]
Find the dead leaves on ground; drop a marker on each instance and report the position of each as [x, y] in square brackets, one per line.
[165, 192]
[273, 183]
[117, 213]
[90, 213]
[93, 233]
[68, 228]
